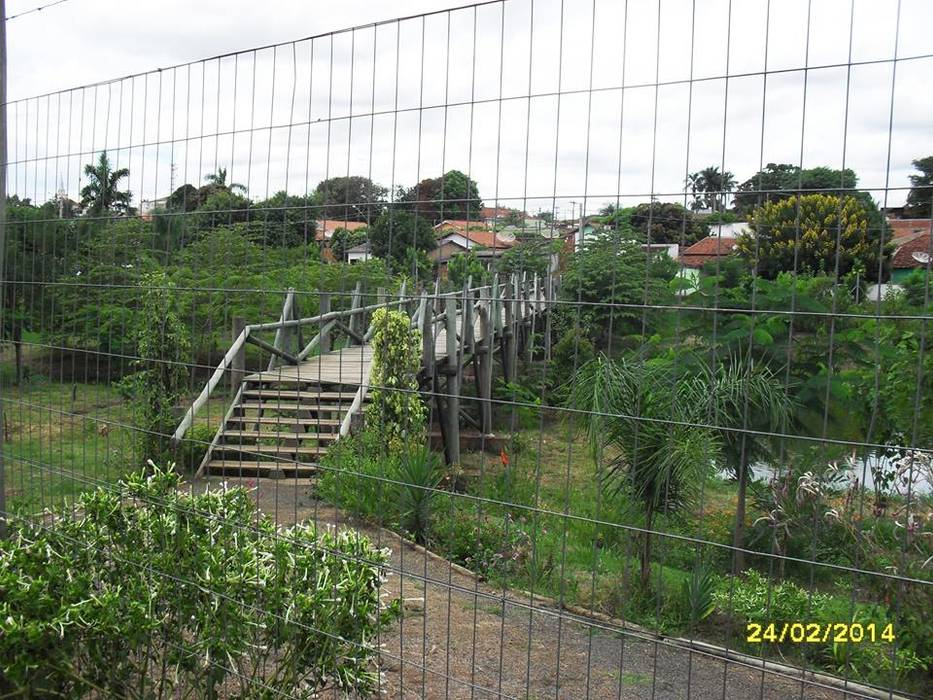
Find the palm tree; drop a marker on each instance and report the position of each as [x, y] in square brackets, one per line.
[654, 454]
[101, 194]
[664, 432]
[745, 401]
[710, 188]
[219, 180]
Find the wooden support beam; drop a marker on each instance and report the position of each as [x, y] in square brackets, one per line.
[282, 334]
[454, 369]
[356, 315]
[315, 341]
[269, 347]
[324, 309]
[350, 331]
[238, 362]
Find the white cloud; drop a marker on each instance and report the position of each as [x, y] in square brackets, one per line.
[446, 73]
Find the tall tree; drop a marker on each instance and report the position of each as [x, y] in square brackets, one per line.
[806, 233]
[353, 198]
[102, 194]
[402, 238]
[919, 198]
[218, 180]
[781, 180]
[453, 195]
[667, 222]
[710, 188]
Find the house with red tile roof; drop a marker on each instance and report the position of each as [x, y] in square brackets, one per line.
[910, 254]
[452, 241]
[706, 250]
[324, 229]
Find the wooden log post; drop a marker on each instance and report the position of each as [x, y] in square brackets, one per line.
[452, 370]
[507, 334]
[238, 362]
[483, 353]
[547, 307]
[324, 308]
[532, 317]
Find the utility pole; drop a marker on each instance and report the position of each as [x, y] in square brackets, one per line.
[3, 168]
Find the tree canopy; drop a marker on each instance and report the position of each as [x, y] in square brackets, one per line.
[781, 180]
[102, 194]
[920, 197]
[802, 234]
[352, 198]
[710, 188]
[453, 195]
[396, 234]
[667, 222]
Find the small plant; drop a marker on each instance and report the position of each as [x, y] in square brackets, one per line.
[420, 472]
[698, 593]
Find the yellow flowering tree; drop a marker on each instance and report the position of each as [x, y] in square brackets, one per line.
[812, 227]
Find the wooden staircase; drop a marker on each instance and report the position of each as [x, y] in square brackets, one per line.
[279, 427]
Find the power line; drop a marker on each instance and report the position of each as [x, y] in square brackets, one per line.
[35, 9]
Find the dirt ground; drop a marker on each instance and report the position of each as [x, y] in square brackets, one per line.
[470, 640]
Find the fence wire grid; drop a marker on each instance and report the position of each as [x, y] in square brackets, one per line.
[524, 349]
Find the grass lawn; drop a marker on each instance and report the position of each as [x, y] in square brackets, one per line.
[64, 438]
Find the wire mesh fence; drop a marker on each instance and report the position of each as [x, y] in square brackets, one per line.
[524, 349]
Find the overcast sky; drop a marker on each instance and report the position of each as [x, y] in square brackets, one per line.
[504, 91]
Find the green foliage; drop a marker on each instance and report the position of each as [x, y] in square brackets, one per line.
[710, 188]
[397, 235]
[147, 591]
[698, 593]
[917, 290]
[420, 472]
[612, 276]
[286, 220]
[780, 181]
[101, 195]
[343, 239]
[396, 410]
[463, 267]
[920, 197]
[353, 198]
[803, 234]
[667, 222]
[532, 255]
[573, 350]
[454, 195]
[163, 346]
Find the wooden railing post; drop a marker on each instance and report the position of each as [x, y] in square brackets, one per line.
[355, 317]
[324, 308]
[238, 363]
[453, 369]
[484, 368]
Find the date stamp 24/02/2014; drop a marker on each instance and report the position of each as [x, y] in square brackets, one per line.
[818, 632]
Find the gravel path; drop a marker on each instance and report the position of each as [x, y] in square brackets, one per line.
[460, 638]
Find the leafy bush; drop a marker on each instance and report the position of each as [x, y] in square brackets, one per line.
[488, 546]
[420, 472]
[396, 409]
[145, 591]
[356, 476]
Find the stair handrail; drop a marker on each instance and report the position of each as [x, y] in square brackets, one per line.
[212, 383]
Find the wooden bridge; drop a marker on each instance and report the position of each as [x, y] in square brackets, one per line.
[283, 418]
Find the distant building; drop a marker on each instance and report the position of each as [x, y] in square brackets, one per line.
[731, 230]
[486, 244]
[148, 207]
[359, 253]
[324, 229]
[909, 255]
[709, 249]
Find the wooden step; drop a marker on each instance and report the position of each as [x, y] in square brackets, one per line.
[295, 406]
[259, 435]
[270, 449]
[235, 467]
[307, 395]
[284, 421]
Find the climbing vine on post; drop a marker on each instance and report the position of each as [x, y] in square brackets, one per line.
[396, 410]
[162, 344]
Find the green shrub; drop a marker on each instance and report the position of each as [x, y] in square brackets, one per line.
[357, 476]
[420, 472]
[395, 409]
[194, 446]
[146, 591]
[487, 545]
